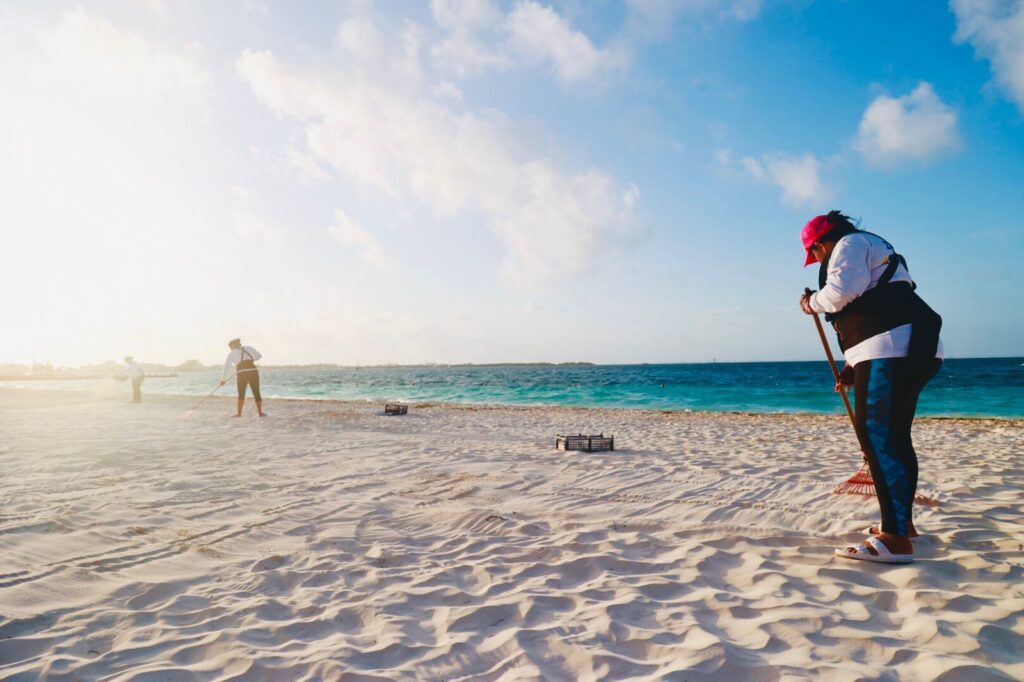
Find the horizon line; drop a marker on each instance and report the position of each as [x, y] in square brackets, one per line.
[539, 363]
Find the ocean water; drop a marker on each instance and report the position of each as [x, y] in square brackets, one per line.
[964, 387]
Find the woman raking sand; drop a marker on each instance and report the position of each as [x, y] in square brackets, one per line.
[890, 339]
[242, 359]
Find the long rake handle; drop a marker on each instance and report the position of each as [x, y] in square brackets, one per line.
[206, 397]
[832, 365]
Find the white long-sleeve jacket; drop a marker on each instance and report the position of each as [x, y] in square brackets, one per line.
[856, 265]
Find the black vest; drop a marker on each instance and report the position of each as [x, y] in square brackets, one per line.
[884, 307]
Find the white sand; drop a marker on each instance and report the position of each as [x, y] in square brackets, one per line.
[328, 542]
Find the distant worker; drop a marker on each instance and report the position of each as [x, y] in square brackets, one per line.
[890, 338]
[135, 375]
[243, 360]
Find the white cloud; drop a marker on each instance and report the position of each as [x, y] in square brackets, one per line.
[392, 136]
[347, 231]
[995, 28]
[446, 90]
[466, 15]
[359, 36]
[538, 34]
[914, 127]
[464, 55]
[480, 38]
[799, 177]
[89, 47]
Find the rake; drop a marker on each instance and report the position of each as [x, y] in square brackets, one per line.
[861, 483]
[204, 399]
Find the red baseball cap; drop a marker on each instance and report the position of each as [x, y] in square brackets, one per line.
[816, 228]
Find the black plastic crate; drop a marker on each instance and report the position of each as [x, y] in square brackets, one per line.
[590, 443]
[395, 409]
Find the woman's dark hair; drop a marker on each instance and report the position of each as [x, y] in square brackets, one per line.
[841, 226]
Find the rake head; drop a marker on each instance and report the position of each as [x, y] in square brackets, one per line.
[861, 483]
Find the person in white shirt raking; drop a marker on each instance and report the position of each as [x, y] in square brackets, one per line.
[242, 359]
[136, 376]
[890, 339]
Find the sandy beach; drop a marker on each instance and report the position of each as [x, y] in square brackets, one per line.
[455, 543]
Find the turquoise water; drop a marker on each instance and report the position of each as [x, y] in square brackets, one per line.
[964, 387]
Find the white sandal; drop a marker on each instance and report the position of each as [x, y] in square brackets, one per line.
[884, 556]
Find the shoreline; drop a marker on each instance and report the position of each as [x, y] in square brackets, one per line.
[521, 406]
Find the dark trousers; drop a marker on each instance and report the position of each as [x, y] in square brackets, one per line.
[137, 389]
[885, 396]
[250, 378]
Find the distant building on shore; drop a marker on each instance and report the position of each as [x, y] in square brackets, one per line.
[41, 369]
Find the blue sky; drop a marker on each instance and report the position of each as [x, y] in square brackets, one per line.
[496, 181]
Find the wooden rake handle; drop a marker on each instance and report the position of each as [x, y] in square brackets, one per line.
[832, 365]
[206, 397]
